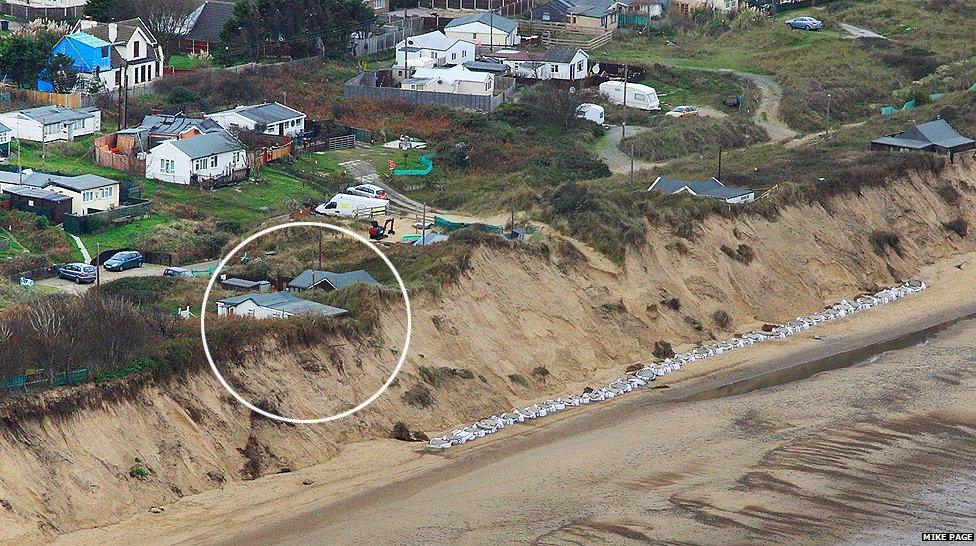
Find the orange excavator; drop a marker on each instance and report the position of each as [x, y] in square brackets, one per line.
[377, 232]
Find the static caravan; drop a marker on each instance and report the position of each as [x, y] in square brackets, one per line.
[591, 112]
[639, 96]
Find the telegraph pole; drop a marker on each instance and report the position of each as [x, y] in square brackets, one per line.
[827, 134]
[631, 163]
[98, 263]
[623, 130]
[720, 163]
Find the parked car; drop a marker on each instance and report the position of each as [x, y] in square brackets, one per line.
[127, 259]
[368, 190]
[805, 23]
[679, 111]
[77, 272]
[177, 272]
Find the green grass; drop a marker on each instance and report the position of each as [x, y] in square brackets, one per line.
[186, 62]
[75, 251]
[124, 235]
[71, 158]
[13, 247]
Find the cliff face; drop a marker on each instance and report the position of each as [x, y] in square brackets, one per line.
[517, 328]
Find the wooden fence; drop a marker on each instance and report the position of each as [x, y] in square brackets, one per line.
[501, 7]
[226, 179]
[84, 224]
[69, 100]
[555, 34]
[121, 162]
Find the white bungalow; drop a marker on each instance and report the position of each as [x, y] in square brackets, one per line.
[203, 157]
[274, 305]
[434, 45]
[52, 123]
[456, 79]
[484, 29]
[270, 118]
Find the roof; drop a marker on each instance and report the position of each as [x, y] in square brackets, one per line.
[270, 112]
[37, 193]
[4, 128]
[485, 17]
[243, 283]
[79, 183]
[124, 32]
[937, 132]
[338, 280]
[285, 302]
[207, 21]
[88, 39]
[561, 54]
[482, 66]
[586, 8]
[704, 188]
[206, 145]
[435, 40]
[456, 73]
[175, 125]
[48, 115]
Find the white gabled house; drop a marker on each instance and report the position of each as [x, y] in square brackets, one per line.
[127, 49]
[711, 188]
[484, 29]
[434, 45]
[558, 63]
[269, 118]
[52, 123]
[274, 305]
[456, 79]
[196, 159]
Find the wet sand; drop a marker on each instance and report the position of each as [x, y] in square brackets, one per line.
[866, 452]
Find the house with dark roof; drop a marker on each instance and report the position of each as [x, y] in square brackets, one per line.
[484, 29]
[111, 54]
[234, 283]
[88, 192]
[274, 305]
[50, 204]
[328, 280]
[935, 136]
[270, 118]
[202, 27]
[211, 156]
[581, 14]
[52, 123]
[710, 188]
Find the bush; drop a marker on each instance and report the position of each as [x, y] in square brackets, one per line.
[722, 319]
[401, 432]
[419, 396]
[541, 373]
[743, 253]
[519, 380]
[662, 349]
[950, 195]
[882, 240]
[958, 226]
[672, 303]
[676, 137]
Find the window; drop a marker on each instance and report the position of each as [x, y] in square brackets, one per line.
[167, 166]
[30, 202]
[105, 192]
[199, 164]
[464, 53]
[136, 47]
[213, 161]
[105, 52]
[579, 65]
[118, 77]
[545, 16]
[379, 4]
[474, 35]
[640, 97]
[87, 196]
[453, 56]
[554, 67]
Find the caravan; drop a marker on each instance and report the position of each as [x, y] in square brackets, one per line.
[639, 96]
[353, 206]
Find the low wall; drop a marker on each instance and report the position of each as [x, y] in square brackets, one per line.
[85, 224]
[362, 86]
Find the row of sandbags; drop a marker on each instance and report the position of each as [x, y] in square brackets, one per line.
[651, 372]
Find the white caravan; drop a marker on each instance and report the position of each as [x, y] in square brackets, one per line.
[639, 96]
[591, 112]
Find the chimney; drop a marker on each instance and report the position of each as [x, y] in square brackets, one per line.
[113, 32]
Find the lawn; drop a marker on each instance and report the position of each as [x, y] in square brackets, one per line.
[187, 62]
[123, 236]
[10, 246]
[72, 158]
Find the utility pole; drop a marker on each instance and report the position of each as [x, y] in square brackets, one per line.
[124, 121]
[719, 163]
[827, 135]
[20, 163]
[98, 264]
[623, 130]
[423, 226]
[631, 163]
[320, 250]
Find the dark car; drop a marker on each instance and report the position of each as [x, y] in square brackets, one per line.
[77, 272]
[177, 272]
[127, 259]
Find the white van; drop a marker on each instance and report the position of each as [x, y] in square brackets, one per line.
[639, 95]
[591, 112]
[353, 206]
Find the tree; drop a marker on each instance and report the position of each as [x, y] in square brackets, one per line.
[165, 18]
[264, 28]
[22, 58]
[548, 104]
[60, 72]
[108, 10]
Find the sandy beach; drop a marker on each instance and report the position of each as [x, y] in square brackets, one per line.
[796, 460]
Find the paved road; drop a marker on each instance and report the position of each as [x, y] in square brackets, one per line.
[609, 151]
[365, 173]
[859, 32]
[147, 270]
